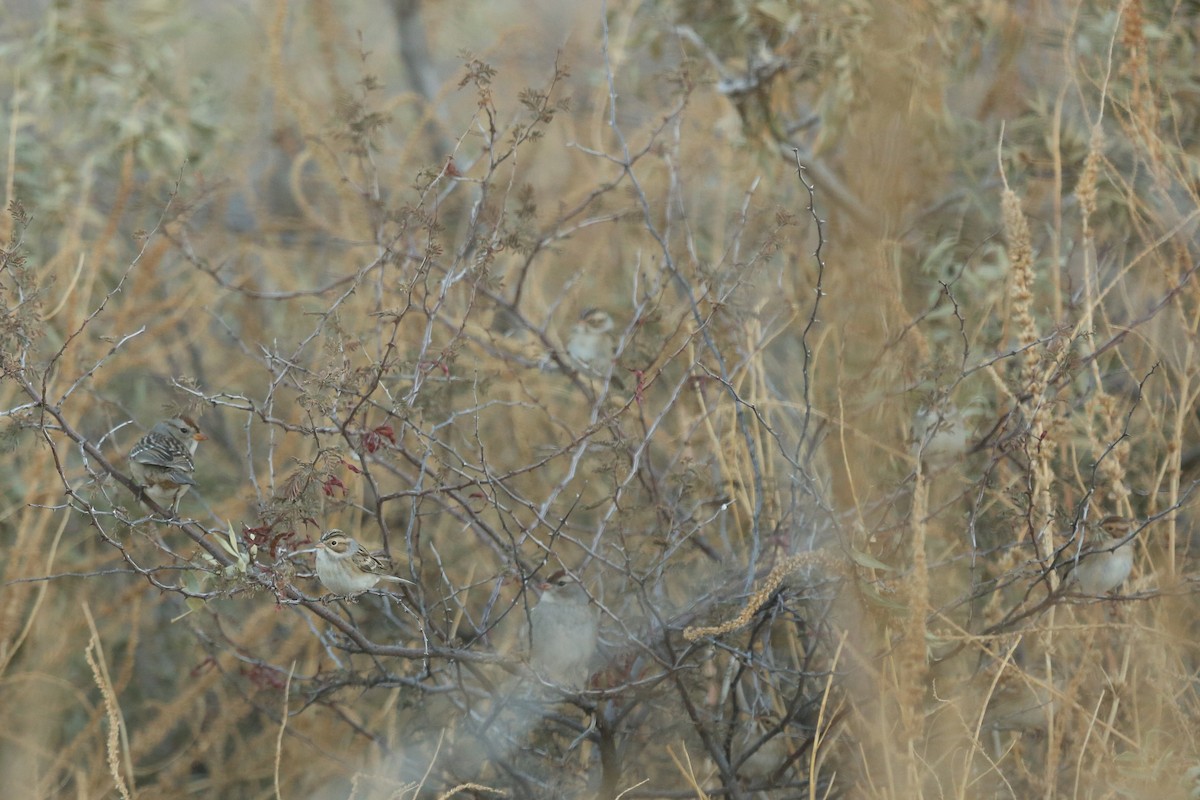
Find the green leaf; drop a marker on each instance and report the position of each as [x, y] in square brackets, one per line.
[778, 11]
[872, 594]
[869, 561]
[241, 561]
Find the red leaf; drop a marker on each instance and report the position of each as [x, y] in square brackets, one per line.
[373, 439]
[204, 666]
[259, 536]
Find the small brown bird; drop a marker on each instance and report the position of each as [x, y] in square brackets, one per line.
[564, 629]
[940, 434]
[345, 567]
[590, 346]
[1104, 563]
[161, 461]
[1016, 704]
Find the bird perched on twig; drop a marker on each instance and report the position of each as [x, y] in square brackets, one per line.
[1104, 563]
[161, 461]
[564, 630]
[941, 433]
[345, 568]
[590, 346]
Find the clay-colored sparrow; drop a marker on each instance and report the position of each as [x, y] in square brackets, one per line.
[1104, 563]
[590, 347]
[345, 567]
[161, 461]
[940, 434]
[1018, 705]
[564, 629]
[1018, 698]
[768, 756]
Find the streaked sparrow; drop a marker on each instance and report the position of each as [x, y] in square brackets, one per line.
[1104, 563]
[161, 461]
[940, 434]
[564, 629]
[345, 567]
[1017, 704]
[590, 346]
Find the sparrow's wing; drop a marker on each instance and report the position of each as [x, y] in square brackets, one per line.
[168, 454]
[375, 565]
[369, 563]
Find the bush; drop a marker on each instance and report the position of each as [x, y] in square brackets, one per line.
[878, 367]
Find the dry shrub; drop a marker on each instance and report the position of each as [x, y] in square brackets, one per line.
[880, 365]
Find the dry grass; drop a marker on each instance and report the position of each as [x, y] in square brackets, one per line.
[904, 301]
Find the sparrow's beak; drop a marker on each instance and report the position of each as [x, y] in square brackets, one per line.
[199, 437]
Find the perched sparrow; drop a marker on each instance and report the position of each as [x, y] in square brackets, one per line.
[768, 756]
[345, 567]
[1018, 705]
[161, 461]
[940, 434]
[1191, 779]
[564, 629]
[1102, 565]
[590, 347]
[1008, 687]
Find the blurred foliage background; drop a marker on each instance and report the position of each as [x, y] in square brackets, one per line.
[904, 302]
